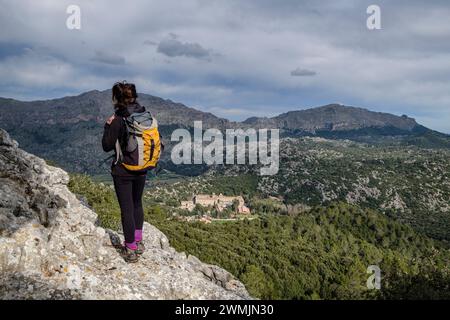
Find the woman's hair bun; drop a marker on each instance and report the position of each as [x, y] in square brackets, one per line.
[123, 93]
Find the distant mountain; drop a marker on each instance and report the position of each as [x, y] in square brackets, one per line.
[96, 106]
[334, 117]
[335, 121]
[68, 130]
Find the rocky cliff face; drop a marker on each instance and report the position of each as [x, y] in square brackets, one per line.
[52, 248]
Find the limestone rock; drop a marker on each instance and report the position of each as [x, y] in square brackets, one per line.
[51, 247]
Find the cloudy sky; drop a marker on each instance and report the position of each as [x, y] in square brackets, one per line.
[236, 58]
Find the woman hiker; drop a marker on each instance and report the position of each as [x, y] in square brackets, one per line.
[129, 185]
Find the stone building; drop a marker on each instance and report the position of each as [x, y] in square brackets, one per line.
[219, 202]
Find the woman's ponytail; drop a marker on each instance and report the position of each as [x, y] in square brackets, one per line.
[123, 94]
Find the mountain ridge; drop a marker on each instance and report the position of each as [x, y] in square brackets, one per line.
[332, 115]
[96, 105]
[304, 115]
[68, 130]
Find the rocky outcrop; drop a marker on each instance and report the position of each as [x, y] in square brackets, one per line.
[52, 248]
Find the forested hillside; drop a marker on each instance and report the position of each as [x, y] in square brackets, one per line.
[409, 184]
[322, 253]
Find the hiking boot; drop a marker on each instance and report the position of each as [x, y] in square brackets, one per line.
[140, 248]
[129, 255]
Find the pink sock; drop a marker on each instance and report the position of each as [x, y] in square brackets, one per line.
[132, 246]
[138, 235]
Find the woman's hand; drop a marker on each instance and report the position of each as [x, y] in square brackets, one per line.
[110, 119]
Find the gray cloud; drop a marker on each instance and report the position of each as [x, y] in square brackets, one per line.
[403, 68]
[150, 43]
[108, 58]
[176, 48]
[303, 73]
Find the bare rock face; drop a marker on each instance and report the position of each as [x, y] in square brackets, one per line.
[52, 248]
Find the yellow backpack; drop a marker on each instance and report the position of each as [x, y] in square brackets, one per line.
[143, 143]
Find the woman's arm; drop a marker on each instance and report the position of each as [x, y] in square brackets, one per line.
[111, 133]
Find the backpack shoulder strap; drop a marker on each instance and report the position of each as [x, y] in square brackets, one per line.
[119, 155]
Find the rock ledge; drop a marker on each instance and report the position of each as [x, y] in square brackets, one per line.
[52, 248]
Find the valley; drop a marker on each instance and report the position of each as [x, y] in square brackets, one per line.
[354, 188]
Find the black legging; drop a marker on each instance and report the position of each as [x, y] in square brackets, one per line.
[129, 191]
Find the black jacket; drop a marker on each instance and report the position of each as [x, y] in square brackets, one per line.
[117, 131]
